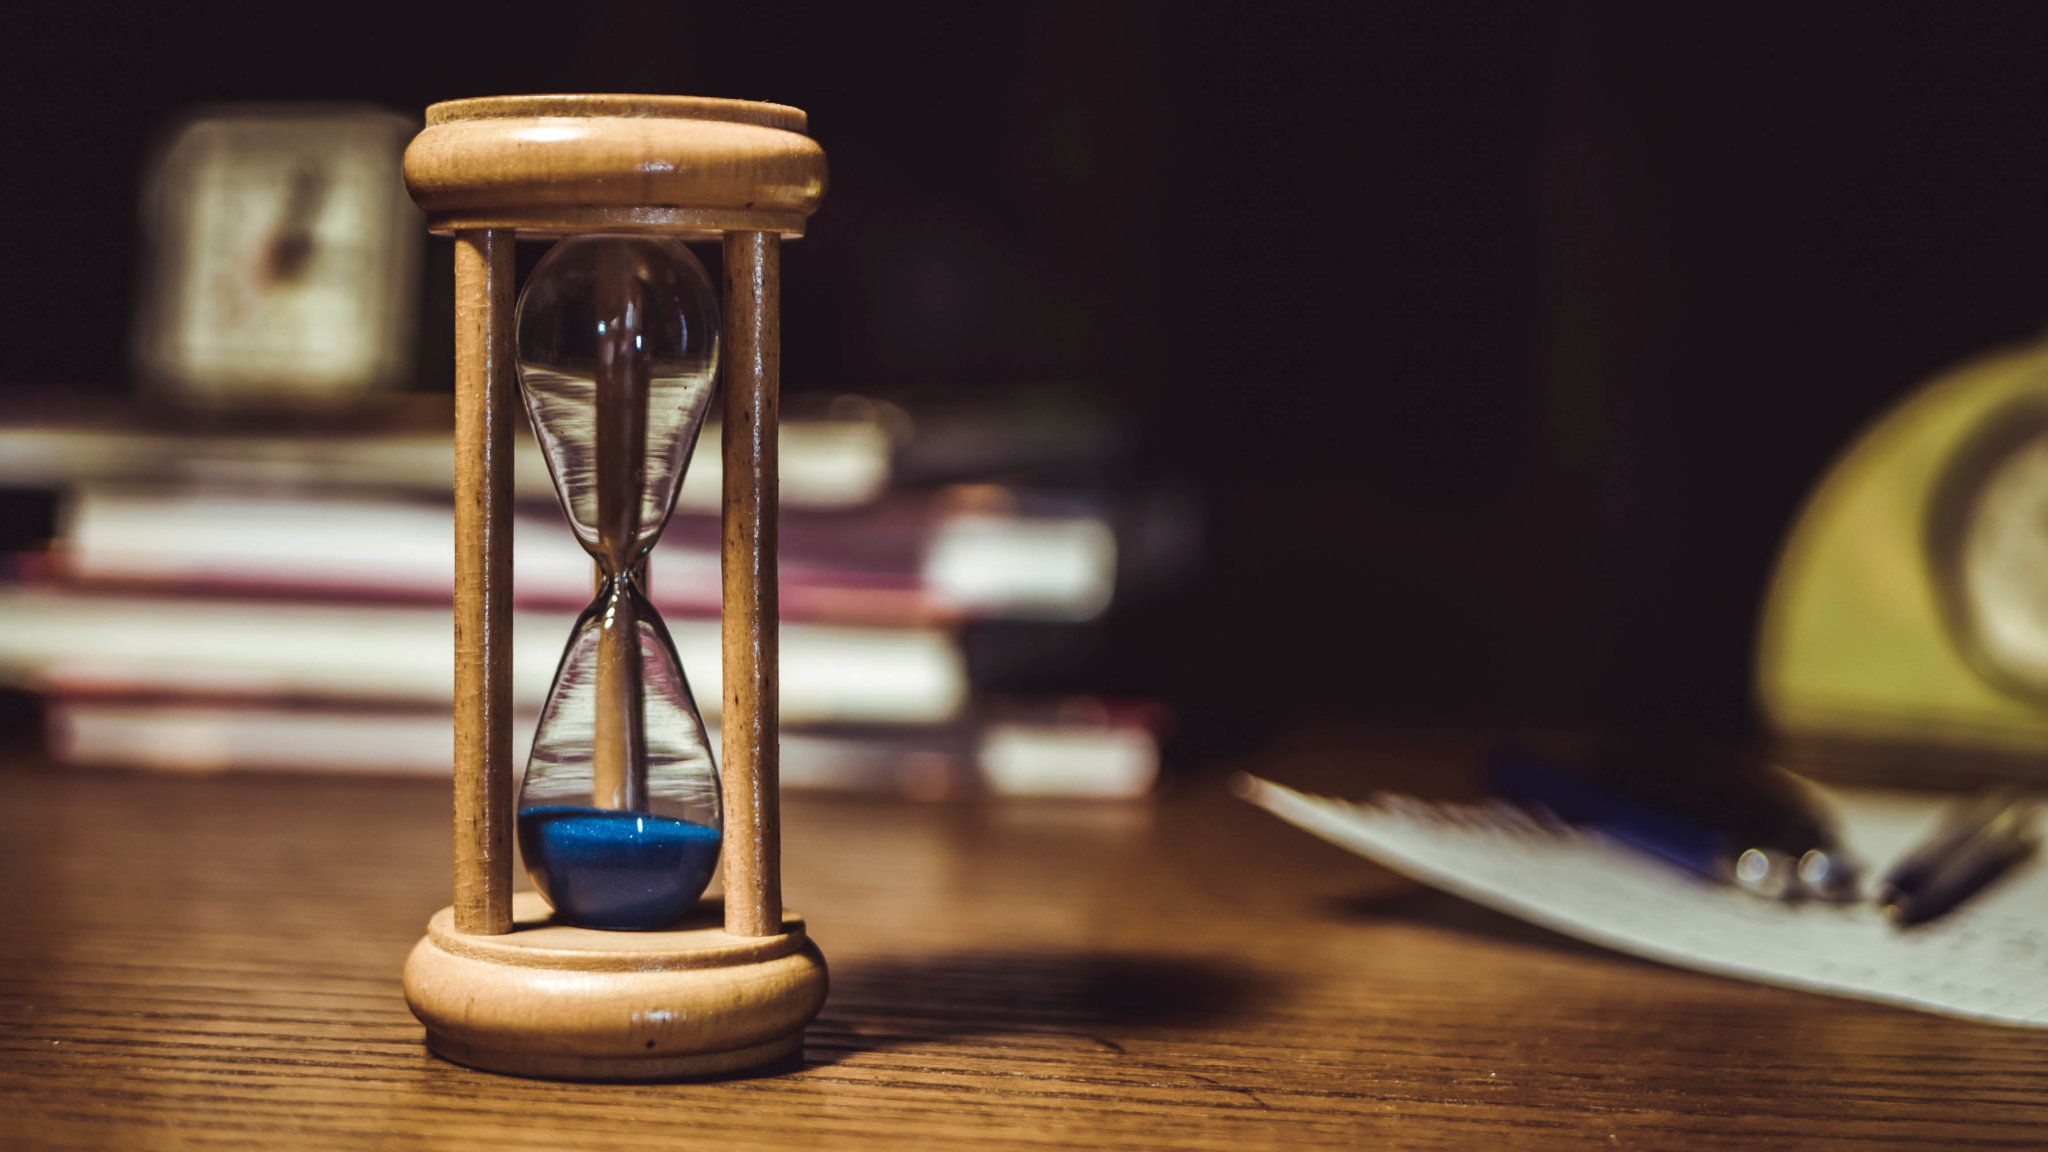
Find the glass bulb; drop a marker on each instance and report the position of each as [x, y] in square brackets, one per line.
[630, 315]
[619, 813]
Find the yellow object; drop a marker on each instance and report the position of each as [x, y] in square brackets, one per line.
[1854, 641]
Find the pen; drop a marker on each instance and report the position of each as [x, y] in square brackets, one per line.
[1694, 845]
[1977, 841]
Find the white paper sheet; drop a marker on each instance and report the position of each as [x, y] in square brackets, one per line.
[1986, 960]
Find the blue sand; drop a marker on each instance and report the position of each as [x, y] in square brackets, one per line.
[611, 869]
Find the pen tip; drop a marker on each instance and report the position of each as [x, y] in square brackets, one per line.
[1828, 874]
[1764, 871]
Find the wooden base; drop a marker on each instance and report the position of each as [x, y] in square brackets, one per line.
[566, 1003]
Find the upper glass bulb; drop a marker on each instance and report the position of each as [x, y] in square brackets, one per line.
[618, 349]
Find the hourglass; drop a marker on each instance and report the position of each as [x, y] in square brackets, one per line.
[616, 968]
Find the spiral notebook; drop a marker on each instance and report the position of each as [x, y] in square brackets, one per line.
[1987, 960]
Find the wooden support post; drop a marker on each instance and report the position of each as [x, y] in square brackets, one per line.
[750, 722]
[484, 410]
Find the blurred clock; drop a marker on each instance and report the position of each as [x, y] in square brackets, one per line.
[1909, 608]
[284, 258]
[1988, 544]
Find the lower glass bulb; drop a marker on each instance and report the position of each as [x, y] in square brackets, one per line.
[619, 813]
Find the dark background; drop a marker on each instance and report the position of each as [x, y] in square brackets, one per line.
[1499, 340]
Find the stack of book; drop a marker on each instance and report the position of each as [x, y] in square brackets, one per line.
[281, 601]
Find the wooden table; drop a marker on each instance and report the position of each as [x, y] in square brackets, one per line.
[214, 962]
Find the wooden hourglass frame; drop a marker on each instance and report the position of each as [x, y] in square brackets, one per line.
[498, 982]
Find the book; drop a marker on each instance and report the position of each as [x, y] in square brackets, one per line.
[826, 463]
[279, 600]
[1079, 749]
[71, 640]
[911, 558]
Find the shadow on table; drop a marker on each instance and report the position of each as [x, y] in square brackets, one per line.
[1418, 905]
[1053, 1000]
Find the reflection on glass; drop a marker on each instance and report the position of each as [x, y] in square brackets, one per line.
[619, 816]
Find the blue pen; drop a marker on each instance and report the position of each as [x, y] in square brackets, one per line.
[1688, 843]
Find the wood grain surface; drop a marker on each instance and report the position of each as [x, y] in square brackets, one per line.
[749, 764]
[588, 163]
[567, 1003]
[213, 962]
[486, 404]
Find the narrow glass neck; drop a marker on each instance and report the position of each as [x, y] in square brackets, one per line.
[618, 747]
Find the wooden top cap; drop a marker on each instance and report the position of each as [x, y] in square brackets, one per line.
[551, 165]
